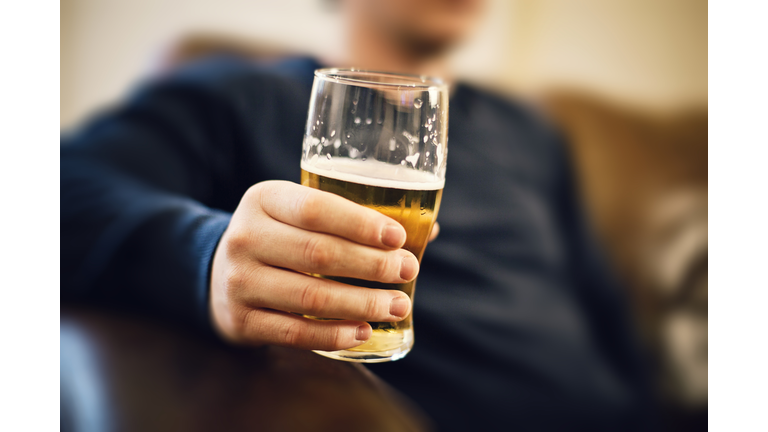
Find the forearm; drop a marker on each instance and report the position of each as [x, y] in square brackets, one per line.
[126, 243]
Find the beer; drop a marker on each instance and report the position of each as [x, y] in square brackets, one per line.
[408, 196]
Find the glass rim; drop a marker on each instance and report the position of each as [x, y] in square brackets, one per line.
[407, 81]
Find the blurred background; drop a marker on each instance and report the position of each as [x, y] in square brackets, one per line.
[626, 81]
[648, 53]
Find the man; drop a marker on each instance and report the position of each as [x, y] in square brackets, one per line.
[183, 203]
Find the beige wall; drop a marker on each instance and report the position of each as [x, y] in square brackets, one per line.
[107, 44]
[649, 52]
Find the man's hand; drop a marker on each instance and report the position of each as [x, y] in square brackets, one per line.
[282, 230]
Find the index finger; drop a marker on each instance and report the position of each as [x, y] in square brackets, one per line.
[320, 211]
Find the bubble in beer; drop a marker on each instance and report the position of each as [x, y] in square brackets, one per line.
[357, 120]
[392, 144]
[328, 156]
[333, 133]
[417, 103]
[368, 121]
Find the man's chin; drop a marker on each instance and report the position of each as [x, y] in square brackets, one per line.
[428, 46]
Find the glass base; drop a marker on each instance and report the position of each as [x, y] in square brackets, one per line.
[371, 352]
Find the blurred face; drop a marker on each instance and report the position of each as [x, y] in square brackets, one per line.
[425, 26]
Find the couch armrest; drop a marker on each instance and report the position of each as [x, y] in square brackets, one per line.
[126, 373]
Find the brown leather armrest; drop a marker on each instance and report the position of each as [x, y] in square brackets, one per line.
[125, 373]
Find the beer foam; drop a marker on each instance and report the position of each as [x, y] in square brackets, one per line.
[374, 173]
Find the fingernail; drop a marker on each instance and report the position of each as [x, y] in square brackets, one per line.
[399, 307]
[409, 268]
[392, 236]
[363, 333]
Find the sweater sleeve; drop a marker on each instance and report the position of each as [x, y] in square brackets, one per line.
[146, 193]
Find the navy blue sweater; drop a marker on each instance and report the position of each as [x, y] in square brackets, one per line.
[518, 324]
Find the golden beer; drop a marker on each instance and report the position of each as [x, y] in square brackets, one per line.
[408, 196]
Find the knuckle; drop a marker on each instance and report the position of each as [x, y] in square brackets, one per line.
[364, 230]
[254, 192]
[310, 210]
[237, 244]
[371, 308]
[291, 333]
[336, 338]
[382, 267]
[312, 300]
[241, 320]
[240, 279]
[317, 254]
[268, 195]
[233, 281]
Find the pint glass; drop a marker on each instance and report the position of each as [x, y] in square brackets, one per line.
[380, 140]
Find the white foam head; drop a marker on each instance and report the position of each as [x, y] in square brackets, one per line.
[373, 173]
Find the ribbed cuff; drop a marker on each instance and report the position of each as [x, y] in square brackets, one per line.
[206, 239]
